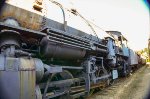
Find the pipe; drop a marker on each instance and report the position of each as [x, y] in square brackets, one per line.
[101, 50]
[61, 82]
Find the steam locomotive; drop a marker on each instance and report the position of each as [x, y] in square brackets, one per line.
[45, 52]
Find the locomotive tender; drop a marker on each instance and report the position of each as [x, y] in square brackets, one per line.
[44, 53]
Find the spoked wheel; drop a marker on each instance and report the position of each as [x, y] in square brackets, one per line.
[38, 93]
[99, 73]
[110, 81]
[63, 76]
[91, 91]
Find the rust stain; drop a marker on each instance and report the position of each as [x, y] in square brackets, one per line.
[32, 81]
[26, 18]
[21, 85]
[26, 64]
[27, 78]
[27, 84]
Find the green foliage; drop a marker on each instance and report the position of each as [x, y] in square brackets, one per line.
[143, 51]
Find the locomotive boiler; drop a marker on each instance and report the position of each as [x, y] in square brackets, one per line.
[50, 51]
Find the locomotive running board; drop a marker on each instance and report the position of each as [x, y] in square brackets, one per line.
[22, 30]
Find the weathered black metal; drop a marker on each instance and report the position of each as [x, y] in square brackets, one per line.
[60, 50]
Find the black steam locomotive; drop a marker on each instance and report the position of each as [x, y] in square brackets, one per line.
[45, 54]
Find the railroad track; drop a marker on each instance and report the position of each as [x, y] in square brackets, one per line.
[113, 91]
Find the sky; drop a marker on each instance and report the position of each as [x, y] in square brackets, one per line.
[131, 17]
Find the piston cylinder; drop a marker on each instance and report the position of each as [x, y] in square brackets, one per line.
[59, 50]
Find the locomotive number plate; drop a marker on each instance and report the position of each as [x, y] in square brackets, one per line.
[115, 74]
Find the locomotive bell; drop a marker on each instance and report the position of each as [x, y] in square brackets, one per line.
[11, 21]
[9, 38]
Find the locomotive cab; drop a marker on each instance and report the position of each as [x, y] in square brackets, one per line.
[121, 52]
